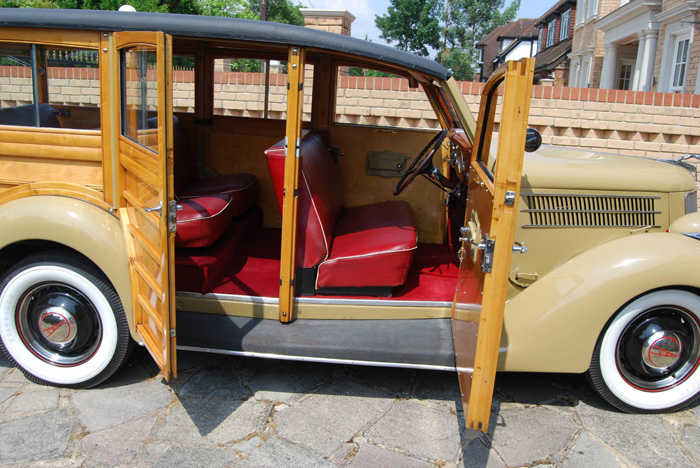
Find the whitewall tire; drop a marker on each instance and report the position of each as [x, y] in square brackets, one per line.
[646, 360]
[61, 322]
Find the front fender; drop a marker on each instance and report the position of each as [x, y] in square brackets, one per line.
[553, 325]
[76, 224]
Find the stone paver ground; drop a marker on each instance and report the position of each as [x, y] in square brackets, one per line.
[225, 411]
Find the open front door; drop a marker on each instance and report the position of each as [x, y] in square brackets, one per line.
[145, 182]
[487, 237]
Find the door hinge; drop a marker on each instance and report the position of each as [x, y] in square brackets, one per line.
[510, 198]
[172, 333]
[173, 208]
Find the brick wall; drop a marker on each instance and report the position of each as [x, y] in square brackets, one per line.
[638, 123]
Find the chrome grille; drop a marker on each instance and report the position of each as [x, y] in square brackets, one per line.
[563, 210]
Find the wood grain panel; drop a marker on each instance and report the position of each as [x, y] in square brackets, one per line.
[17, 171]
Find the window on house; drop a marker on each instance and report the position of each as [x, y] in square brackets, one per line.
[592, 8]
[551, 28]
[540, 39]
[574, 74]
[581, 9]
[564, 28]
[625, 77]
[585, 70]
[680, 64]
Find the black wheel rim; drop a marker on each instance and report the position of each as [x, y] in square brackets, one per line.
[58, 324]
[659, 349]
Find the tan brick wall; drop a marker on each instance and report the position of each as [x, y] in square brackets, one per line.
[638, 123]
[693, 59]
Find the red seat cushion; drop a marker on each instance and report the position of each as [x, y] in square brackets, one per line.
[202, 220]
[242, 188]
[373, 245]
[321, 196]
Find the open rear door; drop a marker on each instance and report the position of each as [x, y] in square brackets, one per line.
[487, 237]
[145, 182]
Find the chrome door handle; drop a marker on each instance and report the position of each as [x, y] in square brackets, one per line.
[519, 248]
[158, 208]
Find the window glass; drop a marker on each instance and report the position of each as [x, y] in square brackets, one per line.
[551, 28]
[680, 64]
[183, 84]
[73, 80]
[140, 95]
[540, 39]
[256, 88]
[592, 7]
[564, 28]
[376, 98]
[625, 76]
[16, 85]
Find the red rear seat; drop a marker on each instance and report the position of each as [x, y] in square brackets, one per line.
[207, 204]
[364, 246]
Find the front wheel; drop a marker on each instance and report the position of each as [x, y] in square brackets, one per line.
[646, 360]
[61, 322]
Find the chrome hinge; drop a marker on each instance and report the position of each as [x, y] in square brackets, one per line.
[173, 208]
[510, 198]
[461, 253]
[172, 333]
[487, 246]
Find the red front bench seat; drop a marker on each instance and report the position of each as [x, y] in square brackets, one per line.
[359, 247]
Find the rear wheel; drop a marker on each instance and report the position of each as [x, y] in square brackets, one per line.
[646, 360]
[61, 322]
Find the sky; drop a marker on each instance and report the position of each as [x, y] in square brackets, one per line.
[365, 11]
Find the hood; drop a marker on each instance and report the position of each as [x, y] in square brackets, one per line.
[553, 167]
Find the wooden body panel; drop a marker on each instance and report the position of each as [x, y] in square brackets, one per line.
[30, 154]
[477, 313]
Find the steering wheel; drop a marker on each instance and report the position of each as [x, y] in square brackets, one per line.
[422, 164]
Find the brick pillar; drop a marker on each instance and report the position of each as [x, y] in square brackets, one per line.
[335, 21]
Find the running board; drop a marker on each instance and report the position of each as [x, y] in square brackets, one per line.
[421, 343]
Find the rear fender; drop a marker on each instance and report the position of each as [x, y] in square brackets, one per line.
[553, 325]
[78, 225]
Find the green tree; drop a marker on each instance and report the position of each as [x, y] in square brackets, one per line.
[459, 61]
[413, 24]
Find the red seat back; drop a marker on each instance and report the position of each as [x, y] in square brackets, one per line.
[321, 197]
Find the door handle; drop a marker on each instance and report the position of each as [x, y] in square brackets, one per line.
[158, 209]
[519, 248]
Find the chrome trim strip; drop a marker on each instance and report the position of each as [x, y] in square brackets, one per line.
[575, 210]
[314, 300]
[316, 359]
[590, 226]
[585, 195]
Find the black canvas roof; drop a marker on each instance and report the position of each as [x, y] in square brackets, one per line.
[215, 28]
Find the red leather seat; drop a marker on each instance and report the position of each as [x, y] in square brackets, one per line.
[208, 204]
[364, 246]
[202, 220]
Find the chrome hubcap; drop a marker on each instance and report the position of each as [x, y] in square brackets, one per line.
[58, 326]
[661, 350]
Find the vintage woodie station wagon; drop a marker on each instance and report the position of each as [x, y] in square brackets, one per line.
[283, 228]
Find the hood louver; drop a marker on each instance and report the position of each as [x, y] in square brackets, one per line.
[554, 210]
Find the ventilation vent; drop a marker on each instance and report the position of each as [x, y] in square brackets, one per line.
[590, 210]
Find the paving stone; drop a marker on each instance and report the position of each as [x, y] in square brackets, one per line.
[439, 387]
[212, 421]
[278, 453]
[103, 408]
[217, 383]
[187, 360]
[187, 457]
[370, 456]
[63, 462]
[7, 392]
[587, 452]
[287, 383]
[420, 430]
[119, 444]
[691, 441]
[479, 454]
[527, 434]
[34, 401]
[245, 447]
[35, 437]
[327, 419]
[396, 381]
[536, 389]
[643, 439]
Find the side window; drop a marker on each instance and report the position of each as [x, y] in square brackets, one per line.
[49, 87]
[139, 82]
[379, 99]
[73, 80]
[183, 84]
[256, 88]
